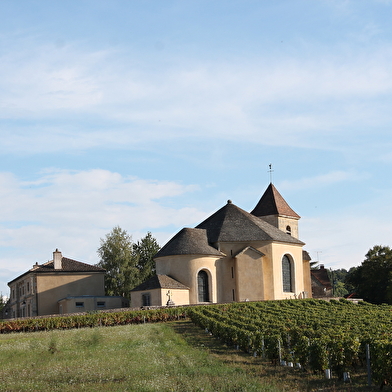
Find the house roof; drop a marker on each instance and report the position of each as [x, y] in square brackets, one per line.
[233, 224]
[321, 276]
[189, 241]
[68, 265]
[272, 203]
[160, 282]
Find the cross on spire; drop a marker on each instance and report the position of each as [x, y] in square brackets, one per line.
[270, 171]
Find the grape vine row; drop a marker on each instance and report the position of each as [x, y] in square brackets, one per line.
[313, 334]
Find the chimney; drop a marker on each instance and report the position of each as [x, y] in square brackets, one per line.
[57, 256]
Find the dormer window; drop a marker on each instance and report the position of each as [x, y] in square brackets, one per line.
[288, 230]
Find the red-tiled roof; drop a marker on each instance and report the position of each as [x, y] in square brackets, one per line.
[272, 203]
[321, 275]
[68, 265]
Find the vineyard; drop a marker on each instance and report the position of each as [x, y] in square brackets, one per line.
[90, 320]
[314, 335]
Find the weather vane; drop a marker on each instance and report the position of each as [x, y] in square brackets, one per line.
[270, 171]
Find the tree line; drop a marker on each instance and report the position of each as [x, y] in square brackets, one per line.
[370, 281]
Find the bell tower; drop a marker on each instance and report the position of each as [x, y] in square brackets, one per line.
[274, 209]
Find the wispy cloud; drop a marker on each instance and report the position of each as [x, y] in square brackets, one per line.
[322, 180]
[277, 101]
[72, 210]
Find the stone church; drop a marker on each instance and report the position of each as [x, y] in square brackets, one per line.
[233, 255]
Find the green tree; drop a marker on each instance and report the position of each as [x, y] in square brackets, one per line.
[118, 258]
[127, 264]
[337, 278]
[144, 251]
[2, 304]
[372, 280]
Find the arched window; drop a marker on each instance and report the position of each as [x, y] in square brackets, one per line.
[288, 230]
[202, 285]
[287, 275]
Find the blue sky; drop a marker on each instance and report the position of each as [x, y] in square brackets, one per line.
[151, 114]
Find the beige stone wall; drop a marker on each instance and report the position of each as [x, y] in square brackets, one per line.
[249, 276]
[155, 298]
[22, 297]
[69, 305]
[293, 223]
[51, 287]
[159, 297]
[295, 254]
[282, 222]
[178, 297]
[237, 275]
[246, 276]
[307, 279]
[225, 272]
[185, 268]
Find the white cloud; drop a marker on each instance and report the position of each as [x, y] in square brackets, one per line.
[280, 101]
[73, 210]
[343, 240]
[43, 78]
[72, 195]
[322, 180]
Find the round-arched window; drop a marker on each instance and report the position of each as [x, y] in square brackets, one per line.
[287, 274]
[202, 286]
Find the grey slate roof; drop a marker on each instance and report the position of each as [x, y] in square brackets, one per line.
[248, 248]
[233, 224]
[272, 203]
[160, 282]
[187, 242]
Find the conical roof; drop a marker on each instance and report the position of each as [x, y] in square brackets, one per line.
[272, 203]
[233, 224]
[187, 242]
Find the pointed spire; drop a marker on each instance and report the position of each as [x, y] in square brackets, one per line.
[272, 203]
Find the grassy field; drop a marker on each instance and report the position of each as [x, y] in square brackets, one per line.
[147, 357]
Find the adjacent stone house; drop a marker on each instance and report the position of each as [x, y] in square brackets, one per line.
[59, 286]
[321, 284]
[233, 255]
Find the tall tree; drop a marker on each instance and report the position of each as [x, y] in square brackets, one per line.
[337, 278]
[2, 304]
[372, 280]
[144, 251]
[118, 258]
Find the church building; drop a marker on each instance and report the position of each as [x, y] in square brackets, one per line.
[233, 255]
